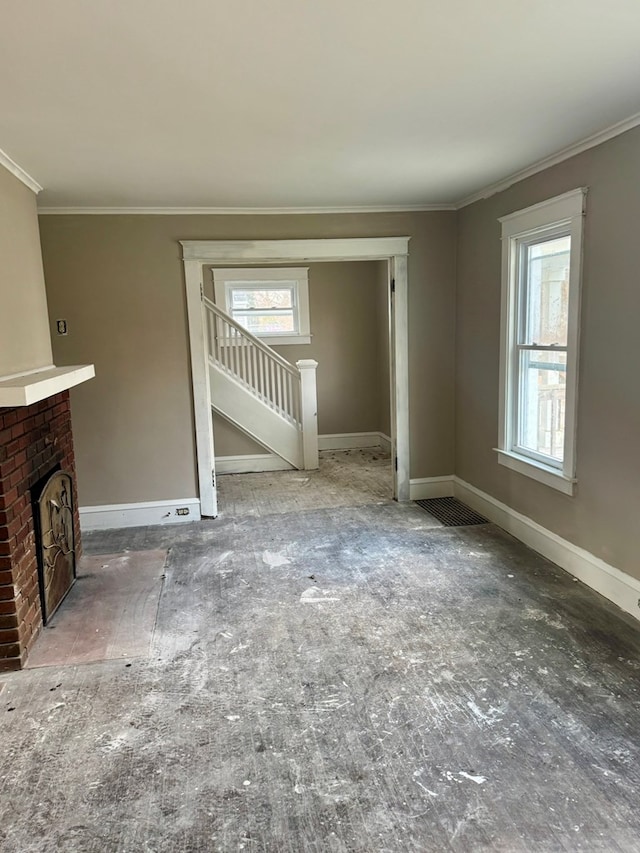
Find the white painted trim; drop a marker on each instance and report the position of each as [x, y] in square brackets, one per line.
[552, 477]
[254, 463]
[308, 412]
[254, 416]
[286, 340]
[257, 462]
[19, 173]
[545, 213]
[560, 215]
[385, 442]
[399, 375]
[112, 516]
[609, 581]
[340, 249]
[205, 454]
[225, 280]
[353, 440]
[241, 211]
[200, 253]
[553, 159]
[431, 487]
[491, 189]
[29, 388]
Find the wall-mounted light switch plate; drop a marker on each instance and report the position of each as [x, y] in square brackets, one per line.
[61, 327]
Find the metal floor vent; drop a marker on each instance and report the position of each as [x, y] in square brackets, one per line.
[451, 512]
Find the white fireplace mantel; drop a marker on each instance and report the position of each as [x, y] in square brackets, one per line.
[27, 388]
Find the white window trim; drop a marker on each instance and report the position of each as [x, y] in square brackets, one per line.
[539, 220]
[224, 278]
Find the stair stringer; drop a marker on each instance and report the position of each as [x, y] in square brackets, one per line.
[258, 420]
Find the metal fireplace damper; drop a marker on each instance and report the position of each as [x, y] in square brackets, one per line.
[56, 553]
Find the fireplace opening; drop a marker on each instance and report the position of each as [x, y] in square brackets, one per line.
[35, 444]
[52, 506]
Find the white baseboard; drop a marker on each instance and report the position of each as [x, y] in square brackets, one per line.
[259, 462]
[385, 442]
[431, 487]
[610, 582]
[139, 514]
[353, 440]
[254, 463]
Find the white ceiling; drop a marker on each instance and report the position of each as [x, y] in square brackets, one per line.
[304, 103]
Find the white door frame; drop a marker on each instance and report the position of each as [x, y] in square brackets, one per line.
[197, 254]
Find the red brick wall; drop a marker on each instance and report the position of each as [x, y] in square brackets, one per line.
[33, 439]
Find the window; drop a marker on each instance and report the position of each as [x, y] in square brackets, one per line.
[270, 303]
[541, 260]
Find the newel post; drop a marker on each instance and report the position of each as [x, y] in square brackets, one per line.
[309, 411]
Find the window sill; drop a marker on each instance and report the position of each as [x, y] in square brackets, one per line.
[537, 471]
[269, 340]
[280, 340]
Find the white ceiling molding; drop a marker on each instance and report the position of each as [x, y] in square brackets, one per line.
[11, 166]
[239, 211]
[553, 159]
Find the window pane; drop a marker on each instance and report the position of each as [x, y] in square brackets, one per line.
[260, 298]
[542, 402]
[271, 323]
[547, 292]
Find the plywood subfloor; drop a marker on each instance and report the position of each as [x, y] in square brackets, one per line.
[109, 613]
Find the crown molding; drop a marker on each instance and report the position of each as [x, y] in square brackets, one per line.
[553, 159]
[18, 172]
[238, 211]
[491, 189]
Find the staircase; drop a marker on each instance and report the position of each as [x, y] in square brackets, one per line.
[269, 399]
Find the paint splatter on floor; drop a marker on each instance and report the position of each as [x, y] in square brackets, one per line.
[398, 717]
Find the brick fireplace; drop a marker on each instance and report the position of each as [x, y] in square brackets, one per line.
[34, 441]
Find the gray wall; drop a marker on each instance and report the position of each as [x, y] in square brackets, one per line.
[119, 282]
[603, 515]
[24, 324]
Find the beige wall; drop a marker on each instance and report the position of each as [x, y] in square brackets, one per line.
[119, 282]
[230, 441]
[603, 515]
[25, 343]
[344, 306]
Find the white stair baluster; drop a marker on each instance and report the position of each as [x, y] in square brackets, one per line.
[261, 385]
[286, 395]
[280, 407]
[243, 359]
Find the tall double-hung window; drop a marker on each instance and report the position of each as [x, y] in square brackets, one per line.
[541, 270]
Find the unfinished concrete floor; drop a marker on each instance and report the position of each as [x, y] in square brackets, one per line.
[350, 679]
[345, 478]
